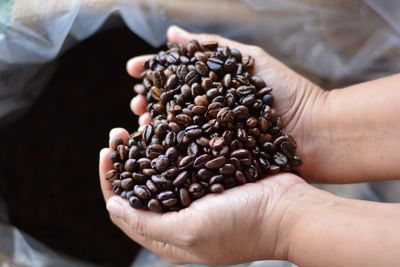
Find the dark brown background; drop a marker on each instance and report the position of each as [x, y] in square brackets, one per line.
[49, 157]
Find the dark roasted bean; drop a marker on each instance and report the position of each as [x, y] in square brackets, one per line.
[216, 163]
[217, 188]
[280, 159]
[154, 205]
[135, 202]
[184, 197]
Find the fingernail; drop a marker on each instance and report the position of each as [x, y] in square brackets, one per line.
[115, 208]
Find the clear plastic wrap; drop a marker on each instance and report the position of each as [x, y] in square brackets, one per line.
[19, 249]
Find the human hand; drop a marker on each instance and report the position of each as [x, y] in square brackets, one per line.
[297, 100]
[246, 223]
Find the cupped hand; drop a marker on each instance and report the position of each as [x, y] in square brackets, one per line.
[298, 101]
[246, 223]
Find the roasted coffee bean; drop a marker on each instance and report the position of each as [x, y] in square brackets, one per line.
[241, 112]
[141, 192]
[125, 174]
[149, 172]
[162, 163]
[227, 169]
[209, 45]
[216, 163]
[184, 197]
[138, 177]
[295, 162]
[186, 162]
[127, 184]
[181, 179]
[118, 166]
[152, 187]
[114, 156]
[111, 175]
[169, 202]
[201, 68]
[274, 169]
[192, 77]
[217, 188]
[201, 161]
[280, 159]
[193, 131]
[193, 149]
[135, 202]
[159, 78]
[148, 132]
[215, 64]
[195, 188]
[134, 152]
[204, 174]
[172, 154]
[240, 153]
[154, 205]
[258, 82]
[153, 151]
[130, 165]
[170, 173]
[225, 115]
[165, 195]
[287, 149]
[230, 65]
[216, 179]
[201, 100]
[268, 100]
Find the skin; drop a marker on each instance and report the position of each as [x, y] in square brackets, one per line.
[282, 216]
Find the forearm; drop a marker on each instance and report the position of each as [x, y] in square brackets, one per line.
[357, 135]
[332, 231]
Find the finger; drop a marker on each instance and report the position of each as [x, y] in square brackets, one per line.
[105, 165]
[135, 66]
[118, 136]
[145, 119]
[151, 225]
[176, 34]
[166, 251]
[138, 104]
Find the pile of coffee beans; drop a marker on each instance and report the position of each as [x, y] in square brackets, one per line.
[213, 128]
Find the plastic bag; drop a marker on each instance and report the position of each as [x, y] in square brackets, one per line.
[19, 249]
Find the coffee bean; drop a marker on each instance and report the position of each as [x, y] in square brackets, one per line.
[148, 132]
[217, 188]
[227, 169]
[216, 179]
[225, 115]
[201, 100]
[287, 149]
[200, 161]
[204, 174]
[149, 172]
[159, 78]
[181, 179]
[215, 64]
[135, 202]
[209, 45]
[184, 197]
[172, 154]
[154, 205]
[280, 159]
[151, 186]
[127, 184]
[165, 195]
[169, 202]
[138, 177]
[195, 188]
[183, 119]
[241, 112]
[192, 77]
[111, 175]
[240, 153]
[141, 192]
[162, 163]
[186, 162]
[216, 162]
[268, 100]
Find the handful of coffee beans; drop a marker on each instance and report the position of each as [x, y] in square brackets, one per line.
[213, 128]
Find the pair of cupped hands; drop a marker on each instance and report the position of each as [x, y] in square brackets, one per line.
[250, 222]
